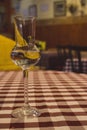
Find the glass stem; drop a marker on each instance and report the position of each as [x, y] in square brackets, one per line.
[25, 78]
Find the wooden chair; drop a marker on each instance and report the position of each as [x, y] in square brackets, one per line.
[75, 52]
[63, 54]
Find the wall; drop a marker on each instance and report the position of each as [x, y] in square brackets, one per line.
[45, 8]
[5, 13]
[66, 31]
[24, 6]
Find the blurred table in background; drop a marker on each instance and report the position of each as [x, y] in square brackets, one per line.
[45, 58]
[68, 67]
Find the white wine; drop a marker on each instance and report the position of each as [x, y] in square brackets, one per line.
[25, 58]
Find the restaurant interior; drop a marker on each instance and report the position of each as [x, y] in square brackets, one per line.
[59, 23]
[58, 82]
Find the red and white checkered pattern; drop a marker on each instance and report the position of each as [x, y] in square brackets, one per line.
[68, 67]
[60, 96]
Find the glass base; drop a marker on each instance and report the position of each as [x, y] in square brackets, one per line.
[25, 111]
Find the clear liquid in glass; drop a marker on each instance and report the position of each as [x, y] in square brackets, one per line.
[25, 54]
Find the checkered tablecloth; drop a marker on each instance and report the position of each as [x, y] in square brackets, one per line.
[60, 96]
[68, 67]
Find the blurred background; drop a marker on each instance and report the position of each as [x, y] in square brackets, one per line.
[58, 21]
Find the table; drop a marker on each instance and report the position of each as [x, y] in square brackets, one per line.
[46, 56]
[68, 67]
[60, 96]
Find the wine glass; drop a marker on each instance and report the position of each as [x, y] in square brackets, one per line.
[25, 54]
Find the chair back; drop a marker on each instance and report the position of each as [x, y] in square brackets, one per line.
[75, 52]
[63, 54]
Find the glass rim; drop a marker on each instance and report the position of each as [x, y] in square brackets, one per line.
[24, 18]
